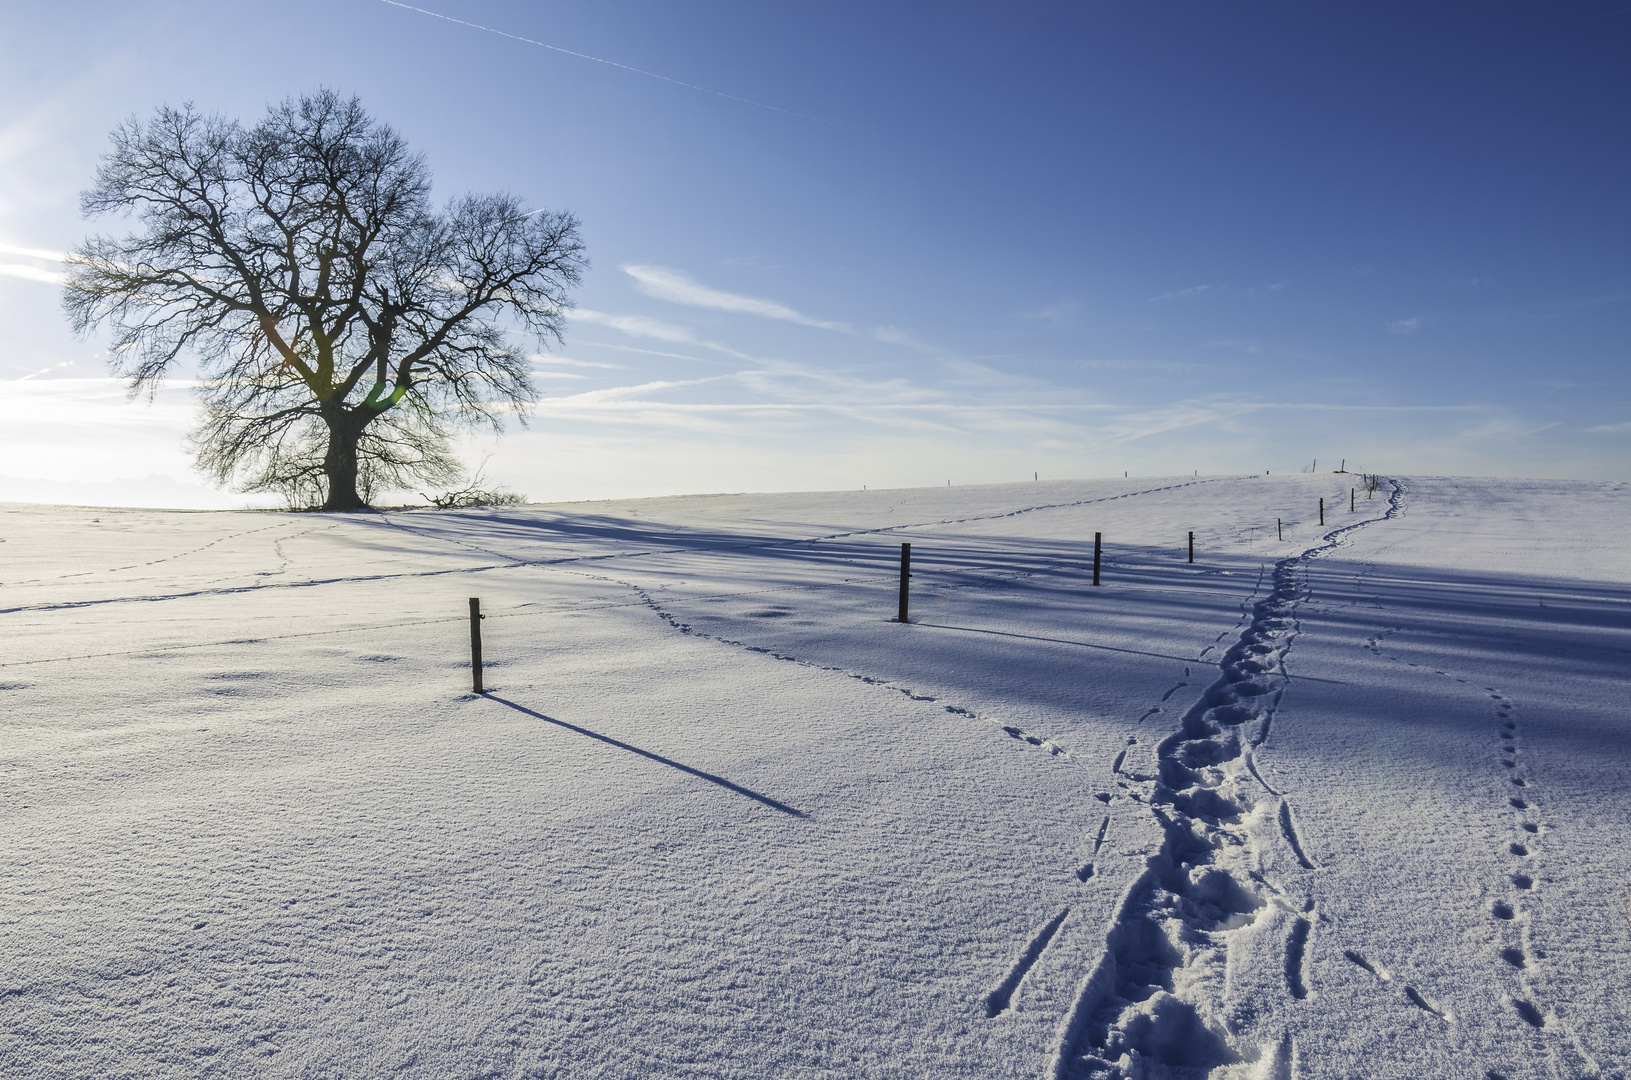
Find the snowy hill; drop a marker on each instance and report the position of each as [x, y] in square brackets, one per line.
[1353, 802]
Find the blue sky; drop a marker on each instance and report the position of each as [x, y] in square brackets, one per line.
[900, 244]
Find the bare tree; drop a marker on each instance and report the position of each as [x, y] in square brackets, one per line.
[342, 327]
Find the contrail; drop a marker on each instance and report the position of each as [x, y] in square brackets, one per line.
[609, 63]
[34, 253]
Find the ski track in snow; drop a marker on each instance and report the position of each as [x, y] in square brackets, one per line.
[1150, 1006]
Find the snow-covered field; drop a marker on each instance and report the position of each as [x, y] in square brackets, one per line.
[1354, 803]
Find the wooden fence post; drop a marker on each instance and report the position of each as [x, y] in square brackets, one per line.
[475, 644]
[1322, 510]
[1191, 545]
[1098, 539]
[905, 576]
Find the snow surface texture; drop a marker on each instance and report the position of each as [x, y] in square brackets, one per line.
[1353, 803]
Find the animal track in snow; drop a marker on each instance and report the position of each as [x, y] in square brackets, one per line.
[1086, 870]
[1529, 1012]
[1010, 730]
[1506, 913]
[1411, 994]
[1357, 958]
[1421, 1001]
[1001, 997]
[1289, 828]
[1296, 948]
[1251, 766]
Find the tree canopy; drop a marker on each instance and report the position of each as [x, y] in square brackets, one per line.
[342, 326]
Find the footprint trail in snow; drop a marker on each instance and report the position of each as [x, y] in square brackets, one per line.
[1152, 1006]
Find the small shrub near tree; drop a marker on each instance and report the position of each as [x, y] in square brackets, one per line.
[474, 494]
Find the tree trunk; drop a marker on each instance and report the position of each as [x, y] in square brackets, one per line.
[340, 463]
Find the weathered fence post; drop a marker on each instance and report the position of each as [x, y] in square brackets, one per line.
[905, 576]
[1353, 493]
[475, 644]
[1191, 545]
[1279, 530]
[1322, 510]
[1098, 539]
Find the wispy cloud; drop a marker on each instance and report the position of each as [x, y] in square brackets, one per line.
[678, 288]
[1184, 294]
[551, 360]
[46, 371]
[34, 252]
[643, 407]
[1404, 326]
[1139, 365]
[602, 60]
[1236, 345]
[642, 327]
[647, 352]
[1599, 300]
[1053, 313]
[895, 335]
[32, 273]
[635, 325]
[1610, 429]
[1499, 426]
[1224, 290]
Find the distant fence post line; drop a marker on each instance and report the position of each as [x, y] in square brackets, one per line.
[475, 644]
[903, 614]
[905, 577]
